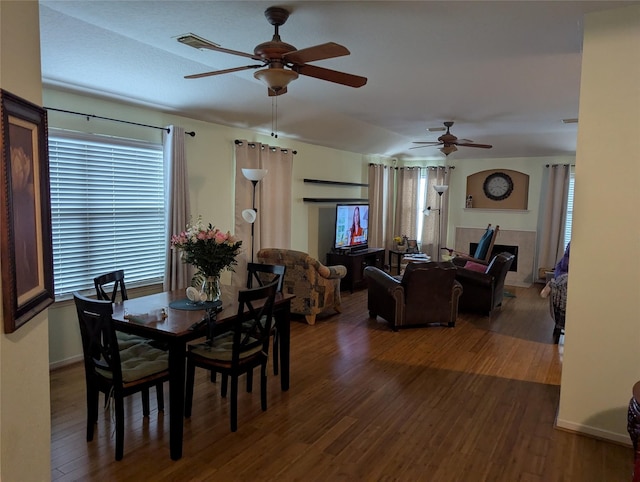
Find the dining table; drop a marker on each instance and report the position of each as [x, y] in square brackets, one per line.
[170, 319]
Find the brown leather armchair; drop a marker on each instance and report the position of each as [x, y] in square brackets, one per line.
[483, 290]
[426, 294]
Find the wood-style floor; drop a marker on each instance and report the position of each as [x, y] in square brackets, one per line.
[472, 403]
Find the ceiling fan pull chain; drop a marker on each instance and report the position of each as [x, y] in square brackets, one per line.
[274, 116]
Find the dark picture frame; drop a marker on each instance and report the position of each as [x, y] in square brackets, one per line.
[25, 237]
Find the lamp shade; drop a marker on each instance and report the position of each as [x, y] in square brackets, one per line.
[446, 150]
[275, 78]
[254, 174]
[249, 215]
[440, 188]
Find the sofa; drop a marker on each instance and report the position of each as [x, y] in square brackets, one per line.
[316, 286]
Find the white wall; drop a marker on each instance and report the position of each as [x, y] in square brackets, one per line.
[25, 421]
[600, 362]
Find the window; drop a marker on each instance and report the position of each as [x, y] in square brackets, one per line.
[107, 210]
[569, 220]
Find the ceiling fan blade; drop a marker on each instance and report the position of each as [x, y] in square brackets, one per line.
[328, 50]
[419, 147]
[197, 42]
[331, 75]
[431, 143]
[225, 71]
[470, 144]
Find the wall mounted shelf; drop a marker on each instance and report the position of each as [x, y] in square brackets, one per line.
[334, 200]
[335, 183]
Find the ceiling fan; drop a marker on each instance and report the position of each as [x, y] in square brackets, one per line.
[283, 61]
[449, 142]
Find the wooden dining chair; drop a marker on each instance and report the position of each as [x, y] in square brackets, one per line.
[239, 350]
[119, 288]
[262, 274]
[112, 370]
[118, 292]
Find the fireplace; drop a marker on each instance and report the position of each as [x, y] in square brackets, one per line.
[497, 249]
[521, 243]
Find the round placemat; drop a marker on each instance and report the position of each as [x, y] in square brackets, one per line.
[187, 304]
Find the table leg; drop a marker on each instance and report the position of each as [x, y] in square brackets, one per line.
[176, 397]
[284, 334]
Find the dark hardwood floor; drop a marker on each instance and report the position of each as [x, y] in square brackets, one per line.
[472, 403]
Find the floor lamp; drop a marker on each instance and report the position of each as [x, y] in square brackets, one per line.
[440, 189]
[250, 215]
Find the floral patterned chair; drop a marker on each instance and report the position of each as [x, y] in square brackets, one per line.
[316, 286]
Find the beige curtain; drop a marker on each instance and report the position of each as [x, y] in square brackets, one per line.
[407, 202]
[381, 197]
[272, 228]
[551, 241]
[177, 274]
[430, 227]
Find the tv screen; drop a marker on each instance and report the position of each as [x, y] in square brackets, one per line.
[352, 225]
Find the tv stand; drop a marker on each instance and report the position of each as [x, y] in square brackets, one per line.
[356, 262]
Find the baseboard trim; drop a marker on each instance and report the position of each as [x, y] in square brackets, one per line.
[621, 439]
[65, 362]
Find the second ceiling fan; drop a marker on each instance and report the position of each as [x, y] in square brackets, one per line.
[283, 61]
[449, 142]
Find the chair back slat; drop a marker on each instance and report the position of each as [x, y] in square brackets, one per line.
[252, 328]
[264, 274]
[115, 277]
[99, 342]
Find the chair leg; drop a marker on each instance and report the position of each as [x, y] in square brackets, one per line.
[234, 403]
[213, 376]
[119, 407]
[93, 396]
[145, 402]
[188, 397]
[250, 381]
[160, 396]
[311, 319]
[223, 385]
[338, 308]
[276, 353]
[263, 386]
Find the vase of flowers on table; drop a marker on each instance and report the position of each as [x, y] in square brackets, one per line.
[210, 251]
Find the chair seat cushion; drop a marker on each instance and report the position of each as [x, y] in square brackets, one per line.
[221, 348]
[126, 340]
[473, 266]
[140, 361]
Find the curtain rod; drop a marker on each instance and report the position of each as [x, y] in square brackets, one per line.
[413, 167]
[238, 142]
[554, 165]
[88, 116]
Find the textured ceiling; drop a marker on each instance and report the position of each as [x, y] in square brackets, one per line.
[507, 72]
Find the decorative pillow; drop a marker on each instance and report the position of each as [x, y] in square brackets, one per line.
[470, 265]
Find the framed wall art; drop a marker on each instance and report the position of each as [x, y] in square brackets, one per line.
[25, 237]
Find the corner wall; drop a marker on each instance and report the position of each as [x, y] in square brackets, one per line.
[25, 420]
[600, 362]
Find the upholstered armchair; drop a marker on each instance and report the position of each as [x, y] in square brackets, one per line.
[316, 286]
[483, 285]
[427, 293]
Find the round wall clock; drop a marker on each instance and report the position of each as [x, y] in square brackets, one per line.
[498, 186]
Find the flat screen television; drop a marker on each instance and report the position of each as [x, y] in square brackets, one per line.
[352, 226]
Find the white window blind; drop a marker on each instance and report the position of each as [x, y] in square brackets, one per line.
[569, 220]
[107, 210]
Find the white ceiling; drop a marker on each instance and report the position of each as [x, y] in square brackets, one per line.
[507, 72]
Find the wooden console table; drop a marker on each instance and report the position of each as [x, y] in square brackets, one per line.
[356, 263]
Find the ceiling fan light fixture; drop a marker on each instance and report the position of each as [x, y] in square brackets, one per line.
[275, 78]
[446, 150]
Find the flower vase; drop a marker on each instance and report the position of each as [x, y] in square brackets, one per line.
[211, 288]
